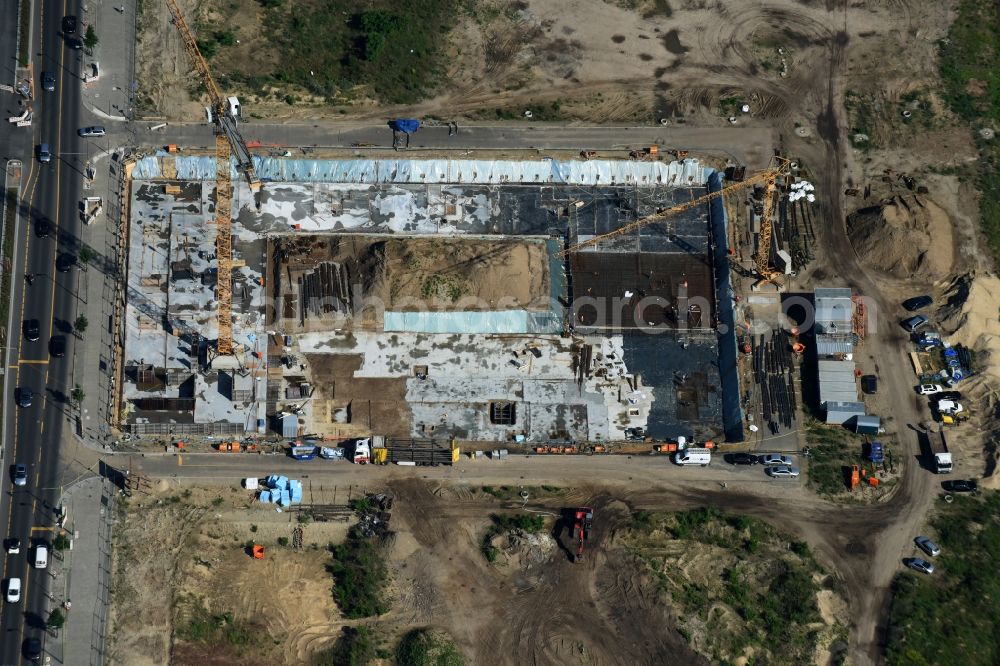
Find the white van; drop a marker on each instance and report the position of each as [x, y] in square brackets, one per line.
[41, 557]
[693, 457]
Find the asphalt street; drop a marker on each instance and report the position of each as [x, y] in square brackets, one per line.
[752, 146]
[48, 225]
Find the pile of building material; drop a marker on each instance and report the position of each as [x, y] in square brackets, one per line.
[281, 491]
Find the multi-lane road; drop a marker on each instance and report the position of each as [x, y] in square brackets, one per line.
[48, 224]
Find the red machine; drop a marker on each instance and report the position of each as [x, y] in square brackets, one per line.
[582, 525]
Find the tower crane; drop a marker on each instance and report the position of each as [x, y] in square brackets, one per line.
[768, 178]
[228, 142]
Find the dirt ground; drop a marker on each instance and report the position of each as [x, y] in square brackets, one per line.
[178, 547]
[534, 605]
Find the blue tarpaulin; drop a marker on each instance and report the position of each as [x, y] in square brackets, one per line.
[408, 125]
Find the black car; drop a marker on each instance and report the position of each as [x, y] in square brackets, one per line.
[48, 81]
[65, 261]
[43, 228]
[949, 395]
[74, 43]
[25, 396]
[33, 648]
[917, 303]
[960, 486]
[869, 384]
[741, 459]
[57, 345]
[69, 24]
[31, 330]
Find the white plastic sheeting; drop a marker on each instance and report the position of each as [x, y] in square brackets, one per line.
[506, 321]
[575, 172]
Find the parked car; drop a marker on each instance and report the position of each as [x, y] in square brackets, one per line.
[919, 564]
[741, 459]
[13, 546]
[869, 384]
[929, 389]
[928, 546]
[13, 590]
[960, 486]
[74, 43]
[48, 81]
[65, 261]
[917, 303]
[31, 330]
[914, 323]
[69, 24]
[96, 130]
[775, 459]
[20, 475]
[57, 345]
[32, 648]
[950, 395]
[25, 396]
[782, 471]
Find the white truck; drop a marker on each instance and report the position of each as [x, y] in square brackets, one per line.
[361, 451]
[940, 456]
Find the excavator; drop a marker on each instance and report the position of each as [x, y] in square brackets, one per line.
[582, 524]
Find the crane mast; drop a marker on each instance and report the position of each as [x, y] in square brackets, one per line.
[228, 142]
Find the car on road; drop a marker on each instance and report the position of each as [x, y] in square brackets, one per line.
[43, 228]
[44, 154]
[741, 459]
[20, 475]
[96, 130]
[32, 648]
[869, 384]
[919, 564]
[13, 590]
[57, 345]
[960, 486]
[74, 43]
[929, 389]
[775, 459]
[65, 261]
[782, 471]
[917, 303]
[69, 24]
[25, 396]
[32, 330]
[48, 81]
[928, 546]
[12, 546]
[914, 323]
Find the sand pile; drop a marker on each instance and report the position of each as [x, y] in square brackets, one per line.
[438, 274]
[905, 236]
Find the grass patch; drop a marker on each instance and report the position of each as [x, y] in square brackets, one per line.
[950, 617]
[969, 63]
[764, 596]
[423, 647]
[360, 576]
[832, 451]
[330, 48]
[203, 626]
[23, 51]
[356, 646]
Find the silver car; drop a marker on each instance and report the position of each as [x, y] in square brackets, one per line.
[920, 565]
[928, 546]
[96, 130]
[775, 459]
[782, 471]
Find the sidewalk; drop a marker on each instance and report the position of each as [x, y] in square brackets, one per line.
[82, 575]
